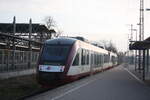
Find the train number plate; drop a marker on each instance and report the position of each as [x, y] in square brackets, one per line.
[50, 68]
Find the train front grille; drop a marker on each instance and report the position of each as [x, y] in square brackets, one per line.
[50, 77]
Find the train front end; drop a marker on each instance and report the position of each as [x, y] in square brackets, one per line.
[53, 66]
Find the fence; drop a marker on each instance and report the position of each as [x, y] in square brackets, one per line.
[20, 60]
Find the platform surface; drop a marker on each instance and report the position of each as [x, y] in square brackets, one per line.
[114, 84]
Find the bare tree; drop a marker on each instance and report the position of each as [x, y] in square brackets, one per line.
[59, 32]
[121, 57]
[50, 24]
[109, 46]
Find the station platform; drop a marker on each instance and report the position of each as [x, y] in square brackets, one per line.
[138, 73]
[6, 75]
[115, 84]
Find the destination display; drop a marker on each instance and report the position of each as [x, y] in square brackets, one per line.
[51, 68]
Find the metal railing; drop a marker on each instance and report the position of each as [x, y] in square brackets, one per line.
[20, 62]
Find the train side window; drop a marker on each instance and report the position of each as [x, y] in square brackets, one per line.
[76, 60]
[87, 57]
[105, 59]
[95, 59]
[98, 59]
[83, 57]
[113, 59]
[102, 59]
[85, 53]
[91, 58]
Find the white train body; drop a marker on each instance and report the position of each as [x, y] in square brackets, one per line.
[80, 59]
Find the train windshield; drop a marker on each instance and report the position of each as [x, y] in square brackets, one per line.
[54, 55]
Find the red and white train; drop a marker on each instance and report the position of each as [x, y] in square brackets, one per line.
[67, 59]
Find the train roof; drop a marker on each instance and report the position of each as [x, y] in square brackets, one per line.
[71, 41]
[67, 41]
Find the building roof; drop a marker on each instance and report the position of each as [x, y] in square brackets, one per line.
[140, 45]
[66, 41]
[24, 28]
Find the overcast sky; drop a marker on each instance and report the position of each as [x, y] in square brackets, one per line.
[93, 19]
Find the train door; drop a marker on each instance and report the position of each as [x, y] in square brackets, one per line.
[102, 60]
[91, 62]
[75, 68]
[85, 61]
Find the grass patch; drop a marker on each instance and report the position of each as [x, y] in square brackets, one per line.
[13, 88]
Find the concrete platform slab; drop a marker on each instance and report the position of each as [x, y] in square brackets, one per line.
[114, 84]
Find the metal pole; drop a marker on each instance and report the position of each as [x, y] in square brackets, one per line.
[13, 52]
[131, 32]
[7, 53]
[30, 49]
[136, 53]
[131, 52]
[141, 29]
[147, 60]
[135, 60]
[143, 65]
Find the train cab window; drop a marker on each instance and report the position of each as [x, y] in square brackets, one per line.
[55, 54]
[76, 60]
